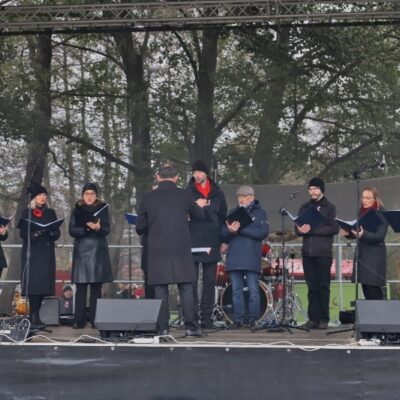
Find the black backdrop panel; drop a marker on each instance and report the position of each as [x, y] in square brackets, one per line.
[96, 372]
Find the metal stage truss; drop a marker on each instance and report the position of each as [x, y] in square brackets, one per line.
[164, 15]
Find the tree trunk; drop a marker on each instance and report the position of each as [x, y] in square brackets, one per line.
[40, 52]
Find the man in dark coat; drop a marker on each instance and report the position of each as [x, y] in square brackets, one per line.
[3, 236]
[317, 254]
[164, 214]
[148, 289]
[206, 233]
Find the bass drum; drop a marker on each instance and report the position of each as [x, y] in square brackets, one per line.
[266, 300]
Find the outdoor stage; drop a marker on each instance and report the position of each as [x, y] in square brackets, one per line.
[225, 364]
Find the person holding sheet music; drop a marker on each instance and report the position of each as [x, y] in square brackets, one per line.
[317, 254]
[371, 264]
[243, 259]
[206, 233]
[91, 266]
[3, 236]
[39, 274]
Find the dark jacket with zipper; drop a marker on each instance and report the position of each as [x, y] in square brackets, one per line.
[244, 248]
[318, 242]
[206, 232]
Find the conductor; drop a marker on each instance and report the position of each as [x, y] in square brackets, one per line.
[164, 215]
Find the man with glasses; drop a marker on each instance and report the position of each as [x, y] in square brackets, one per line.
[243, 260]
[317, 254]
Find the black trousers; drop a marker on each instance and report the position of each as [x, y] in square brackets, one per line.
[207, 294]
[35, 302]
[372, 292]
[186, 297]
[317, 272]
[80, 301]
[148, 289]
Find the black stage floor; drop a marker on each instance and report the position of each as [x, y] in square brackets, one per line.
[225, 364]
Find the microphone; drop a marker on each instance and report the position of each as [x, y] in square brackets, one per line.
[383, 163]
[294, 194]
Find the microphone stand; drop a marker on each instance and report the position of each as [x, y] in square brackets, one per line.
[282, 324]
[356, 176]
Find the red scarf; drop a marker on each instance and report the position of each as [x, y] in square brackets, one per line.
[364, 210]
[37, 212]
[205, 191]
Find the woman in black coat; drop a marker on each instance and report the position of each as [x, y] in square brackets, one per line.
[3, 236]
[91, 265]
[38, 278]
[371, 271]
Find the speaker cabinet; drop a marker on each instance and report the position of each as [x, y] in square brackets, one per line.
[127, 315]
[378, 318]
[50, 311]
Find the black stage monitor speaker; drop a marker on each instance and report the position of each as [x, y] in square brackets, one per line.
[127, 315]
[50, 311]
[379, 318]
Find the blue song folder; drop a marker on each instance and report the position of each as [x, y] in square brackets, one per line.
[369, 222]
[311, 216]
[393, 218]
[131, 218]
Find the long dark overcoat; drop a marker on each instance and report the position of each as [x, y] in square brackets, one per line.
[164, 214]
[372, 256]
[206, 232]
[3, 261]
[90, 260]
[39, 278]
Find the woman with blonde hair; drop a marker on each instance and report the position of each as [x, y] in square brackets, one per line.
[371, 260]
[39, 271]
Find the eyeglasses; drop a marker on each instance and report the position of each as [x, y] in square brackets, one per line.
[89, 194]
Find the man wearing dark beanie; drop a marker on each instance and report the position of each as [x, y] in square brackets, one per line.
[206, 233]
[317, 255]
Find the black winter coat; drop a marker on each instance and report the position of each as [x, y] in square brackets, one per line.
[319, 242]
[372, 256]
[3, 261]
[42, 271]
[90, 260]
[244, 248]
[206, 232]
[164, 215]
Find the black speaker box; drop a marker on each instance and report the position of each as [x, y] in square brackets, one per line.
[377, 317]
[50, 311]
[127, 315]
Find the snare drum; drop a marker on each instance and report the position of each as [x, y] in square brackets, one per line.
[222, 277]
[226, 303]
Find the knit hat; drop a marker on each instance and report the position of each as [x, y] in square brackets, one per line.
[200, 166]
[317, 182]
[245, 190]
[37, 189]
[90, 186]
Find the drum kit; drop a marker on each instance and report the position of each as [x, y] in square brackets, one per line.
[275, 280]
